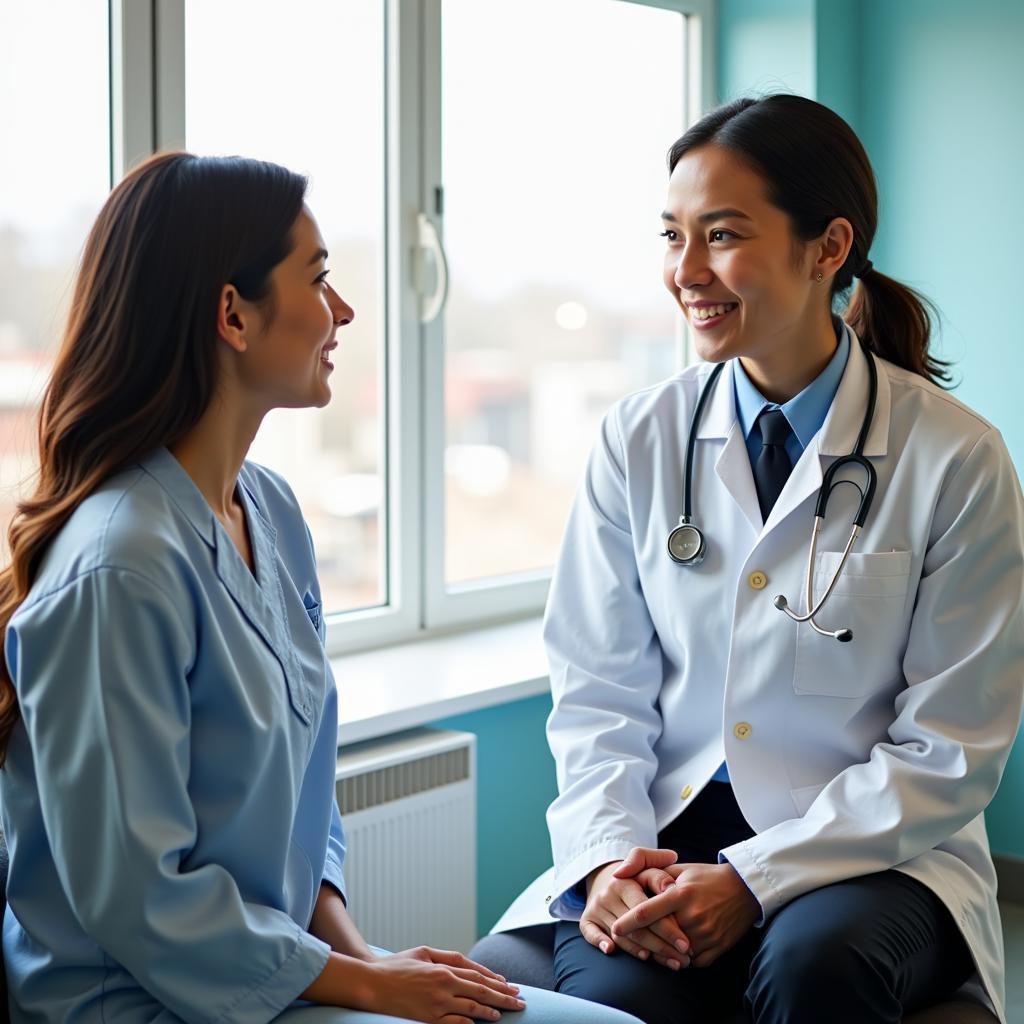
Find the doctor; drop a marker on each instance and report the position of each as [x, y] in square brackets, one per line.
[168, 716]
[750, 812]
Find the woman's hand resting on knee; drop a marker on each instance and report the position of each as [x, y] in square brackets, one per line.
[709, 901]
[432, 985]
[610, 896]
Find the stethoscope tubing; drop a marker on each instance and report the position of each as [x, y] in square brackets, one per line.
[867, 493]
[691, 442]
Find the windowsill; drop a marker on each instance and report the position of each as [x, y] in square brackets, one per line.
[394, 688]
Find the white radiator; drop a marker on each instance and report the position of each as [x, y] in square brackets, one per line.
[408, 806]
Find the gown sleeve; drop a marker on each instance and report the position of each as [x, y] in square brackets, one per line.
[101, 666]
[336, 843]
[336, 854]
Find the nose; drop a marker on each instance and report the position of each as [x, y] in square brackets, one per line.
[342, 311]
[692, 268]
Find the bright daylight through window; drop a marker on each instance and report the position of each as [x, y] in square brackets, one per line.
[54, 176]
[551, 180]
[438, 481]
[310, 95]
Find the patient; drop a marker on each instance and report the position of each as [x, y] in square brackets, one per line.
[168, 717]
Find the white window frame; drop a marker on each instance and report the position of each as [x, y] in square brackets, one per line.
[147, 52]
[496, 598]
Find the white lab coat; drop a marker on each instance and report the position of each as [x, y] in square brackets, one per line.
[845, 758]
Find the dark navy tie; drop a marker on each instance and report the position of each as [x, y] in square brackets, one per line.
[771, 471]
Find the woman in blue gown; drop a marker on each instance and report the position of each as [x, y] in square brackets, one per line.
[168, 717]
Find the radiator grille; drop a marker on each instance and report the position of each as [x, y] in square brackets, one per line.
[373, 788]
[410, 799]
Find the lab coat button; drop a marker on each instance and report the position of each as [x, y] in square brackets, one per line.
[757, 580]
[742, 730]
[687, 791]
[547, 899]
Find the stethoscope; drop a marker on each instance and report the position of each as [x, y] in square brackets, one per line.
[686, 543]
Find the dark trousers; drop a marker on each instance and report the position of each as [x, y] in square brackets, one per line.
[863, 951]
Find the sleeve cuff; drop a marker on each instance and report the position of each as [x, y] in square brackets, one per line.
[756, 876]
[300, 969]
[334, 876]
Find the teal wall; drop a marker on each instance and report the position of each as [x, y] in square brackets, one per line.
[765, 46]
[934, 88]
[942, 89]
[838, 51]
[515, 784]
[809, 47]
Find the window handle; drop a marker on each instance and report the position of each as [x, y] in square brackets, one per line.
[429, 241]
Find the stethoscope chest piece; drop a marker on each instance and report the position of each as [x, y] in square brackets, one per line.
[686, 544]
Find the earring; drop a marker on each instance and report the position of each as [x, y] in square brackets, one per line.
[820, 277]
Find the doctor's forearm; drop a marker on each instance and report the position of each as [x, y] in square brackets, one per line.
[332, 924]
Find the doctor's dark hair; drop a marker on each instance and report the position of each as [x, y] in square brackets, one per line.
[816, 170]
[138, 363]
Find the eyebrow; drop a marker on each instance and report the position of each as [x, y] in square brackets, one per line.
[704, 218]
[320, 254]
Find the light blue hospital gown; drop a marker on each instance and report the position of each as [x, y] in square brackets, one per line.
[168, 798]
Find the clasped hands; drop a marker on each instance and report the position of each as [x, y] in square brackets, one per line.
[680, 915]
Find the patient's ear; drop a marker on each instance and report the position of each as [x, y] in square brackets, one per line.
[233, 316]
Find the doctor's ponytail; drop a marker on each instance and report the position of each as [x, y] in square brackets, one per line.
[816, 170]
[895, 322]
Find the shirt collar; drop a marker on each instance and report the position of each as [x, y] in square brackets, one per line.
[174, 479]
[805, 412]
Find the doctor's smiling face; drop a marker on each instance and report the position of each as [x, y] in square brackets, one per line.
[282, 346]
[746, 284]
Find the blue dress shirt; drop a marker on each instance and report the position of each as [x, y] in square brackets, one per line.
[168, 798]
[805, 414]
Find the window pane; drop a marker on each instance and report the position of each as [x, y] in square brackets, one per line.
[54, 176]
[554, 182]
[302, 84]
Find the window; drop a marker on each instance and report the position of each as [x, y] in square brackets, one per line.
[556, 305]
[53, 179]
[309, 93]
[489, 194]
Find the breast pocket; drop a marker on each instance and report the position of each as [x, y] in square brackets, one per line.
[870, 600]
[314, 609]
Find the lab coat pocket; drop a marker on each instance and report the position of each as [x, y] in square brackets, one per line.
[870, 600]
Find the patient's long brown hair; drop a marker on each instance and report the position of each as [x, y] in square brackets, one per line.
[137, 366]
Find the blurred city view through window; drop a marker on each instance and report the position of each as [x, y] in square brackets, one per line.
[54, 176]
[302, 84]
[554, 175]
[554, 168]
